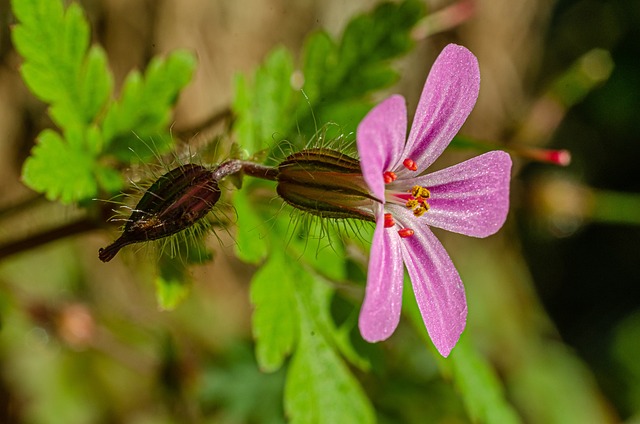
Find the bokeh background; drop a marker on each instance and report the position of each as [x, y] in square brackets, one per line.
[554, 298]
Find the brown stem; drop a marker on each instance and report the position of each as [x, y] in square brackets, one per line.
[80, 226]
[259, 171]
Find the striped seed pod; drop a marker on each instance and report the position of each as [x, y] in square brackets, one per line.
[325, 183]
[174, 202]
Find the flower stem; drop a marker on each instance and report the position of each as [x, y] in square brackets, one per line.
[259, 171]
[80, 226]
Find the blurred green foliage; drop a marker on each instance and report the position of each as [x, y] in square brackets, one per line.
[80, 346]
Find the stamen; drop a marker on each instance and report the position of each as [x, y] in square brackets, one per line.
[419, 191]
[417, 200]
[410, 164]
[405, 232]
[388, 220]
[389, 177]
[412, 203]
[420, 211]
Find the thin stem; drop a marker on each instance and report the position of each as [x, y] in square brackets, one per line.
[260, 171]
[80, 226]
[252, 169]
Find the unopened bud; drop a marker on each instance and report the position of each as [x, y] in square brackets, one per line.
[174, 202]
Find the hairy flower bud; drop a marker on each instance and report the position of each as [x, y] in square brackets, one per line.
[326, 183]
[174, 202]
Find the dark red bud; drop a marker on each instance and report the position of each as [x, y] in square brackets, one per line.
[174, 202]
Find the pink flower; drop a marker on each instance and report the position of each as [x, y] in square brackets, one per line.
[470, 198]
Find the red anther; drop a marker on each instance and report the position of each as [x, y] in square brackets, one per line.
[388, 220]
[559, 157]
[389, 177]
[405, 232]
[410, 164]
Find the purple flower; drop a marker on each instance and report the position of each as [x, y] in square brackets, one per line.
[470, 198]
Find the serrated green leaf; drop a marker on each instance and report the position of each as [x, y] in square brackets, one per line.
[34, 12]
[43, 83]
[340, 75]
[320, 387]
[264, 106]
[40, 24]
[60, 170]
[96, 82]
[275, 317]
[143, 112]
[53, 44]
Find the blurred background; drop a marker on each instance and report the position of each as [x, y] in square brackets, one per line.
[554, 298]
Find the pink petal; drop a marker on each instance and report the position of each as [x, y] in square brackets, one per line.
[380, 311]
[437, 286]
[447, 99]
[380, 139]
[470, 198]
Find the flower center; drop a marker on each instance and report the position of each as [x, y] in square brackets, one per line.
[414, 199]
[418, 200]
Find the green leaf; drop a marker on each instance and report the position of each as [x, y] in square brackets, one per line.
[480, 387]
[172, 284]
[317, 243]
[58, 69]
[251, 230]
[474, 377]
[109, 179]
[59, 169]
[143, 112]
[320, 388]
[340, 75]
[359, 63]
[95, 82]
[320, 54]
[316, 294]
[264, 105]
[275, 317]
[54, 43]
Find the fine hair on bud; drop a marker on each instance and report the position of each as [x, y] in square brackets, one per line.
[176, 201]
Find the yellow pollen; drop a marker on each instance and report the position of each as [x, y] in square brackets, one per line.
[419, 211]
[419, 191]
[418, 201]
[411, 203]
